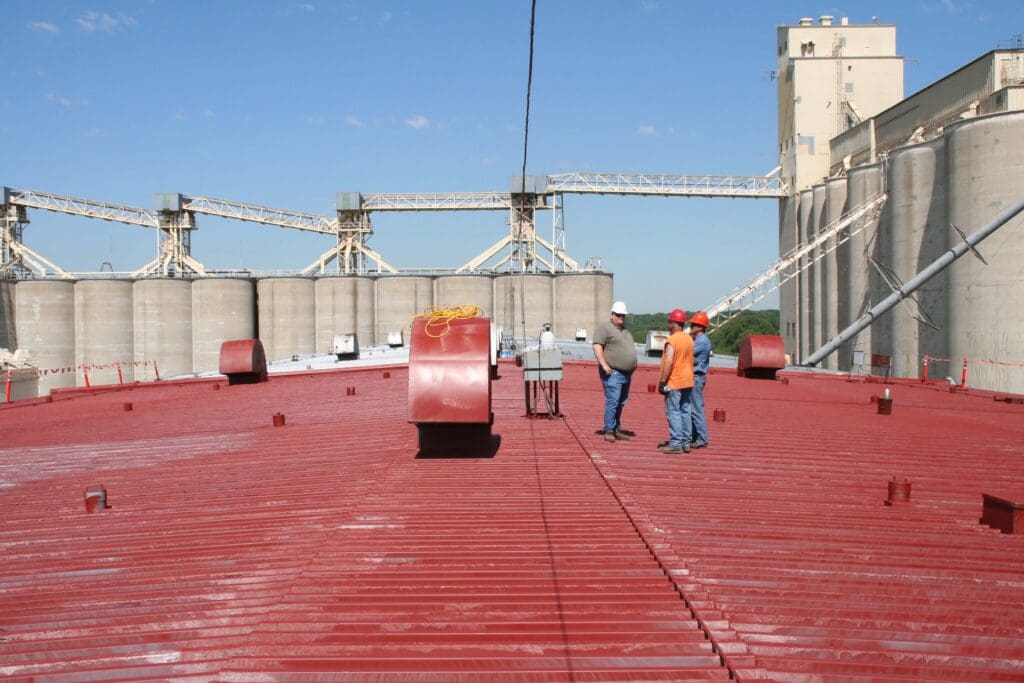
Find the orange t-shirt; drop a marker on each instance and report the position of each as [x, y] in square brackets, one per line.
[681, 374]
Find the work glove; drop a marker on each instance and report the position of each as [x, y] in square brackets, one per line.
[662, 388]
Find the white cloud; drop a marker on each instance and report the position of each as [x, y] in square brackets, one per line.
[950, 6]
[43, 26]
[646, 130]
[304, 6]
[57, 99]
[648, 5]
[386, 16]
[354, 121]
[91, 22]
[315, 120]
[208, 114]
[179, 116]
[418, 122]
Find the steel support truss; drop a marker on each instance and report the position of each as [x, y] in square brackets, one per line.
[796, 260]
[754, 187]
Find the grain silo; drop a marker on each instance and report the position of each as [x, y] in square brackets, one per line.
[835, 207]
[8, 336]
[789, 315]
[805, 281]
[917, 199]
[103, 330]
[345, 305]
[286, 316]
[457, 290]
[162, 322]
[399, 299]
[510, 292]
[880, 257]
[817, 278]
[582, 300]
[222, 309]
[863, 184]
[986, 174]
[45, 328]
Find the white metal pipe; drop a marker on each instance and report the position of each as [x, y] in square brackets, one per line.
[936, 267]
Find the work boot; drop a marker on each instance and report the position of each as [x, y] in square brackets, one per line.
[672, 450]
[609, 435]
[621, 435]
[663, 443]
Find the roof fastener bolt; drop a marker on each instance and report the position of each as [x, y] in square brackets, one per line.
[128, 407]
[719, 415]
[350, 391]
[387, 375]
[279, 419]
[651, 388]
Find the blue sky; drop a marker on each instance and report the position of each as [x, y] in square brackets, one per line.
[286, 103]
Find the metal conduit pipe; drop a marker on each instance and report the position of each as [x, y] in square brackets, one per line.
[933, 269]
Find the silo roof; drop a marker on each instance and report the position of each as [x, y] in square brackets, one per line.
[324, 549]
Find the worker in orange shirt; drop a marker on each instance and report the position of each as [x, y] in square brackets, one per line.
[676, 384]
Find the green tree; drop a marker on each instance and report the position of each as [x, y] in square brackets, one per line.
[725, 340]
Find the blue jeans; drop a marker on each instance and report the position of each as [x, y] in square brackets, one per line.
[677, 410]
[700, 423]
[616, 391]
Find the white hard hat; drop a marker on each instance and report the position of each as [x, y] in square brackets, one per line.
[619, 308]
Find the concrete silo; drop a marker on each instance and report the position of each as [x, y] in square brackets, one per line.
[835, 207]
[399, 298]
[45, 328]
[457, 290]
[789, 292]
[222, 309]
[509, 293]
[8, 333]
[917, 200]
[986, 174]
[162, 324]
[286, 315]
[582, 300]
[819, 196]
[804, 281]
[103, 330]
[345, 305]
[863, 183]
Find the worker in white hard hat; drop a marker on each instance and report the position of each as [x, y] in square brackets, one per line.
[615, 351]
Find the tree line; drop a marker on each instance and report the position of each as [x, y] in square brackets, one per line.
[724, 340]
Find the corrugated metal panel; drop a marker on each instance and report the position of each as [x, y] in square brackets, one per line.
[326, 550]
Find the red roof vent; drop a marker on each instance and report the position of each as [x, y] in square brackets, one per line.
[1002, 514]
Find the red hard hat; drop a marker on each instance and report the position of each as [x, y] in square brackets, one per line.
[677, 316]
[699, 318]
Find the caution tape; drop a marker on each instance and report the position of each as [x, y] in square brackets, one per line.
[986, 361]
[84, 367]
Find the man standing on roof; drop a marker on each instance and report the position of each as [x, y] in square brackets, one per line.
[676, 383]
[701, 361]
[615, 351]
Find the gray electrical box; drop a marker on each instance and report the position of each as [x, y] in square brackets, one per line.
[542, 365]
[168, 201]
[535, 184]
[349, 201]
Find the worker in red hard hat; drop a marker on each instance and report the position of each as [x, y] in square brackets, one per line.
[701, 361]
[676, 383]
[615, 351]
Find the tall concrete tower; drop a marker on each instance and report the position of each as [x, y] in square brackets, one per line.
[831, 76]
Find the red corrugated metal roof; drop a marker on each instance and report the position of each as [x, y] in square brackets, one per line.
[325, 550]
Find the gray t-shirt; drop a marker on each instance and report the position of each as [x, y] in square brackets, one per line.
[619, 347]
